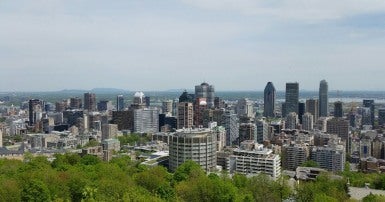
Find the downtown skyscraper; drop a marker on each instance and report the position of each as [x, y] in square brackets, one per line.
[323, 100]
[206, 91]
[269, 100]
[291, 98]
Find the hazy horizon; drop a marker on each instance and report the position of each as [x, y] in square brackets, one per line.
[177, 44]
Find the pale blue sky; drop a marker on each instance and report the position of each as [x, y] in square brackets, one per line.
[170, 44]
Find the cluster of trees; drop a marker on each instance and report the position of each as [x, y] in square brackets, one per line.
[70, 177]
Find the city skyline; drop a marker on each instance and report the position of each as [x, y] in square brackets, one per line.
[151, 45]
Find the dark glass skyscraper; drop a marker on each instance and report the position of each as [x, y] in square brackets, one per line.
[119, 103]
[338, 111]
[291, 96]
[370, 104]
[269, 100]
[323, 99]
[206, 91]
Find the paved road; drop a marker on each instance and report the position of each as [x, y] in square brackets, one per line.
[360, 193]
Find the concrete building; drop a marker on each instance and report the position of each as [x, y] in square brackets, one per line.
[204, 90]
[269, 95]
[139, 101]
[109, 147]
[323, 99]
[124, 119]
[109, 131]
[291, 98]
[231, 124]
[35, 111]
[146, 120]
[294, 155]
[198, 145]
[291, 121]
[331, 158]
[247, 131]
[312, 108]
[167, 107]
[307, 121]
[220, 131]
[244, 108]
[75, 103]
[262, 131]
[185, 115]
[365, 147]
[340, 127]
[252, 159]
[200, 105]
[90, 102]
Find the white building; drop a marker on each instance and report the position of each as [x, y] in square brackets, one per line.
[252, 158]
[146, 120]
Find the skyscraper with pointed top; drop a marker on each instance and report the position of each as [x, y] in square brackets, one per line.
[269, 100]
[323, 100]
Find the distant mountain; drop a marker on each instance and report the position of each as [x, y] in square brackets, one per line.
[108, 90]
[94, 90]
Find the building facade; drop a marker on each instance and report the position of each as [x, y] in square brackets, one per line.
[269, 95]
[291, 98]
[198, 145]
[323, 99]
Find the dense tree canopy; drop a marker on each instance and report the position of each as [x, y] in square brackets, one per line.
[70, 177]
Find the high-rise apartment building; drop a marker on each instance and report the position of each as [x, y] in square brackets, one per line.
[139, 101]
[323, 99]
[90, 101]
[200, 105]
[262, 131]
[185, 115]
[294, 155]
[252, 158]
[312, 108]
[35, 111]
[119, 103]
[291, 121]
[291, 98]
[167, 107]
[231, 124]
[331, 158]
[198, 145]
[109, 131]
[75, 103]
[269, 100]
[146, 120]
[247, 131]
[245, 108]
[307, 121]
[206, 91]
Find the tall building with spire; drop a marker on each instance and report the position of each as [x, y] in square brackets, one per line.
[323, 100]
[269, 100]
[291, 98]
[207, 91]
